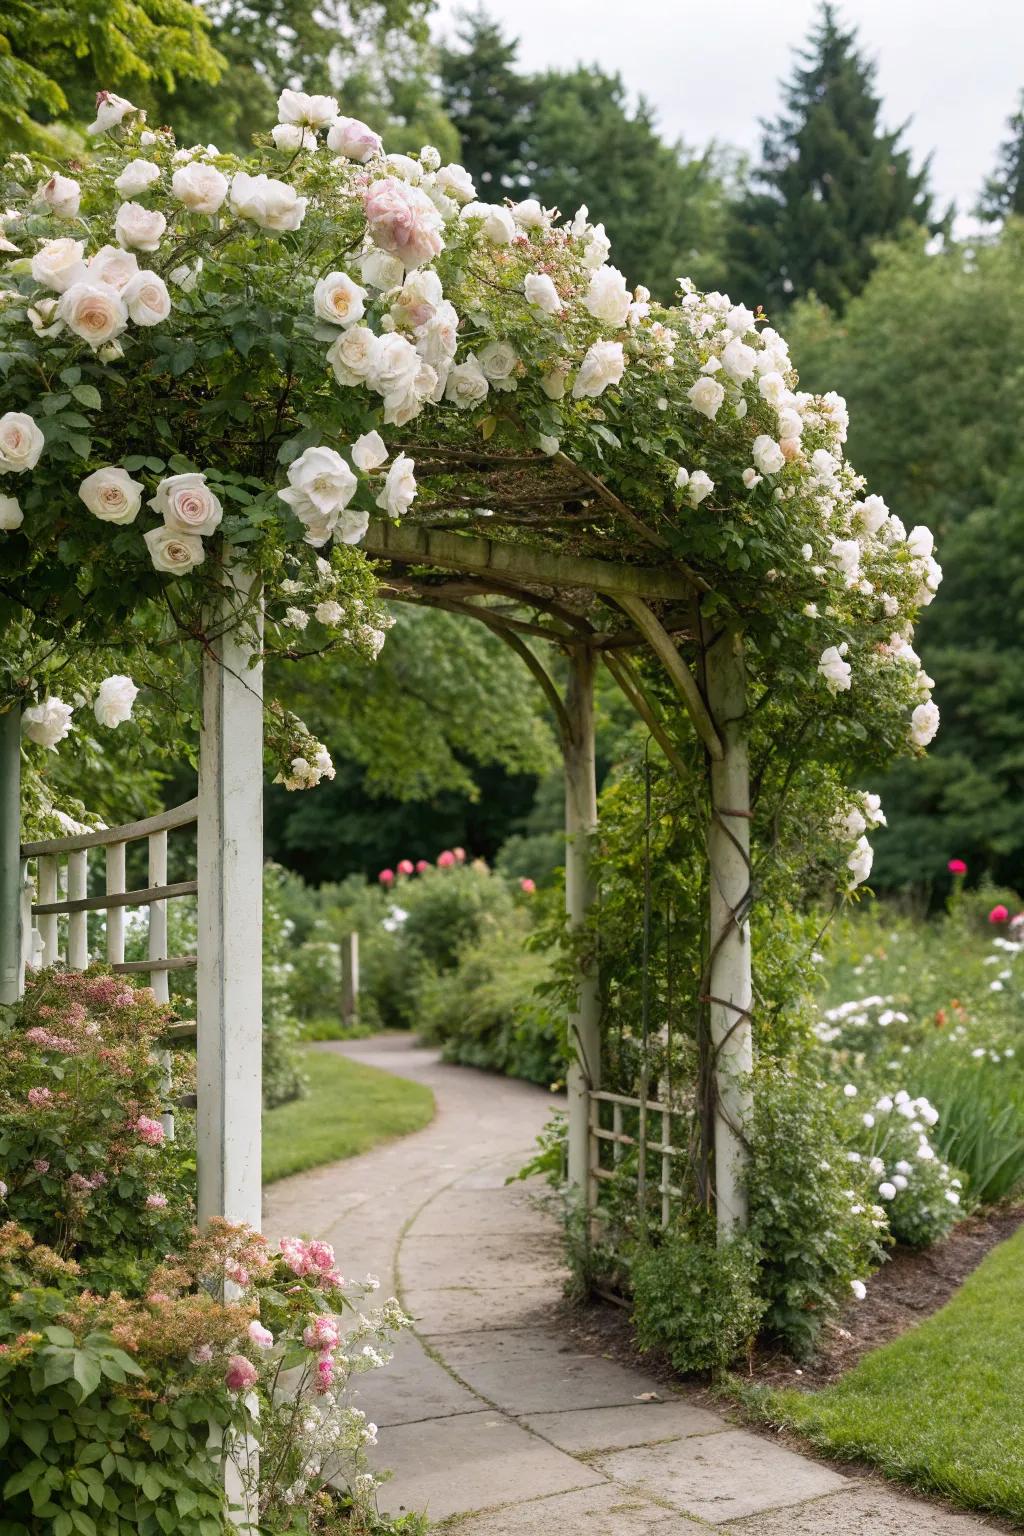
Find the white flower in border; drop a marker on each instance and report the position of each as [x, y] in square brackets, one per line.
[114, 266]
[267, 202]
[113, 703]
[353, 139]
[924, 723]
[541, 292]
[94, 311]
[202, 188]
[700, 486]
[369, 452]
[187, 504]
[499, 227]
[147, 299]
[137, 228]
[337, 299]
[353, 357]
[604, 364]
[110, 111]
[498, 361]
[836, 672]
[62, 195]
[21, 442]
[607, 297]
[706, 396]
[289, 137]
[47, 723]
[59, 263]
[467, 385]
[859, 1289]
[11, 515]
[174, 553]
[313, 111]
[768, 455]
[399, 487]
[738, 360]
[319, 480]
[329, 613]
[112, 495]
[136, 177]
[530, 215]
[456, 181]
[402, 219]
[860, 861]
[351, 526]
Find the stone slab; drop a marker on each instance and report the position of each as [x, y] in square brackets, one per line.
[412, 1387]
[614, 1429]
[524, 1384]
[722, 1477]
[863, 1510]
[522, 1259]
[467, 1348]
[601, 1511]
[479, 1212]
[474, 1461]
[440, 1310]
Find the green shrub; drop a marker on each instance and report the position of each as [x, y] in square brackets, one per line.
[892, 1137]
[813, 1215]
[694, 1299]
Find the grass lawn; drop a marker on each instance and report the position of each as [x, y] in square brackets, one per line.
[941, 1407]
[350, 1107]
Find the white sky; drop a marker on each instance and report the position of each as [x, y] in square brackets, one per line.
[711, 67]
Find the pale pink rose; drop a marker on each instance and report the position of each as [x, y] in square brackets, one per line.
[139, 228]
[113, 266]
[187, 505]
[260, 1336]
[403, 220]
[349, 137]
[241, 1374]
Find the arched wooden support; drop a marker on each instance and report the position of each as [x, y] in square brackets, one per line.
[584, 1074]
[730, 982]
[682, 678]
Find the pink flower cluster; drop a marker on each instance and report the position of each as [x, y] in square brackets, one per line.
[322, 1333]
[39, 1097]
[241, 1374]
[314, 1259]
[156, 1202]
[149, 1131]
[446, 859]
[46, 1040]
[85, 1183]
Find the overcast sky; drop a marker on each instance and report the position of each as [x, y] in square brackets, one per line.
[711, 67]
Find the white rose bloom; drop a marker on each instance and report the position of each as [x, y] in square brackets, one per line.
[859, 1289]
[556, 382]
[597, 249]
[353, 139]
[870, 514]
[706, 396]
[406, 167]
[41, 317]
[850, 824]
[147, 298]
[437, 342]
[175, 553]
[430, 158]
[920, 542]
[740, 320]
[751, 478]
[110, 110]
[112, 495]
[396, 364]
[11, 515]
[270, 203]
[700, 486]
[337, 299]
[353, 356]
[499, 227]
[329, 613]
[399, 487]
[457, 182]
[382, 270]
[136, 177]
[187, 505]
[845, 556]
[738, 360]
[498, 361]
[319, 479]
[313, 111]
[466, 385]
[924, 723]
[289, 137]
[768, 455]
[139, 228]
[186, 277]
[351, 526]
[419, 299]
[113, 266]
[607, 297]
[295, 618]
[682, 478]
[548, 445]
[604, 364]
[529, 214]
[59, 263]
[21, 443]
[63, 195]
[402, 406]
[202, 188]
[873, 812]
[791, 424]
[369, 452]
[835, 670]
[860, 861]
[541, 293]
[47, 723]
[114, 700]
[772, 387]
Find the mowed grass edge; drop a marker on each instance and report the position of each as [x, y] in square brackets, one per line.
[941, 1407]
[350, 1108]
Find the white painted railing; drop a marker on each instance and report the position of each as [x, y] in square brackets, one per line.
[645, 1112]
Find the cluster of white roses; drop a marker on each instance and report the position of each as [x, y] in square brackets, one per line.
[851, 825]
[49, 722]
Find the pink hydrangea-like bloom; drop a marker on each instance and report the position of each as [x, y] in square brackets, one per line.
[446, 859]
[260, 1336]
[48, 1041]
[386, 877]
[406, 866]
[41, 1165]
[236, 1272]
[149, 1131]
[404, 221]
[999, 914]
[104, 989]
[421, 865]
[80, 1184]
[156, 1202]
[38, 1097]
[527, 885]
[957, 867]
[324, 1372]
[321, 1334]
[202, 1354]
[241, 1374]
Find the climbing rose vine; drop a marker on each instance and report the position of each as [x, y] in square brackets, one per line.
[217, 365]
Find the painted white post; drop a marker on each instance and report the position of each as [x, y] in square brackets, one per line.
[10, 857]
[730, 981]
[580, 826]
[115, 915]
[156, 949]
[230, 871]
[78, 922]
[350, 978]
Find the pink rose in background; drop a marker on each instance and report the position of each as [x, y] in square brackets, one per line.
[149, 1131]
[404, 221]
[405, 866]
[321, 1334]
[527, 885]
[386, 877]
[957, 867]
[240, 1374]
[421, 865]
[324, 1372]
[260, 1336]
[446, 859]
[999, 914]
[460, 855]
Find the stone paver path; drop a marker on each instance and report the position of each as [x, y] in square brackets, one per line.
[492, 1423]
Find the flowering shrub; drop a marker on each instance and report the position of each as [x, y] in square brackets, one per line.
[84, 1162]
[696, 1299]
[918, 1191]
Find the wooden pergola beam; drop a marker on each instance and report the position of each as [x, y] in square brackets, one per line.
[682, 678]
[409, 545]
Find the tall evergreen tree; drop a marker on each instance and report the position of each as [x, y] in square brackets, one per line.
[1003, 192]
[832, 182]
[488, 102]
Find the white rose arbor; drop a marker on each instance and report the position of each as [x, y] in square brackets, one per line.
[245, 404]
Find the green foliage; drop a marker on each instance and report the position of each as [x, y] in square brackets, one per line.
[694, 1299]
[350, 1107]
[283, 1077]
[489, 103]
[812, 1212]
[1003, 193]
[939, 1407]
[831, 184]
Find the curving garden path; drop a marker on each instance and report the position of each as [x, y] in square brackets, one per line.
[493, 1423]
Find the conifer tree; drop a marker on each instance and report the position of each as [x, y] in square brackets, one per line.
[832, 182]
[488, 102]
[1003, 192]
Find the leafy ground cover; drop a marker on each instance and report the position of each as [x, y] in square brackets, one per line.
[939, 1407]
[349, 1109]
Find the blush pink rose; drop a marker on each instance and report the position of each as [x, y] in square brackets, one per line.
[240, 1374]
[404, 221]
